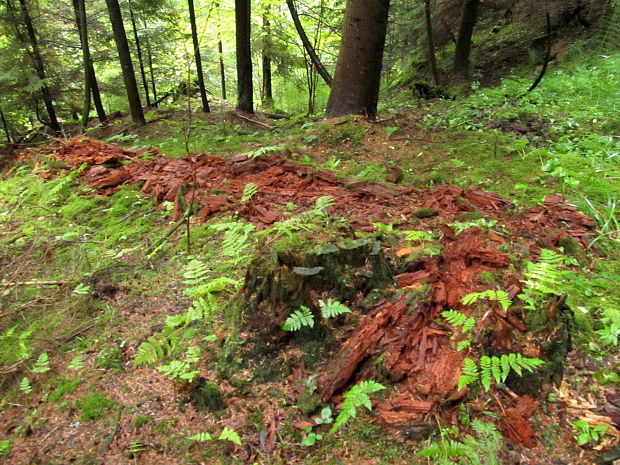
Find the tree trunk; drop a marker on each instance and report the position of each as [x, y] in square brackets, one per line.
[139, 53]
[91, 87]
[245, 99]
[6, 128]
[460, 72]
[39, 66]
[149, 56]
[267, 88]
[131, 87]
[197, 58]
[355, 89]
[307, 45]
[222, 74]
[431, 41]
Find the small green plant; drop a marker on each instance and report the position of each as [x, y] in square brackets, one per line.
[356, 397]
[134, 448]
[42, 363]
[587, 433]
[544, 277]
[460, 226]
[82, 289]
[157, 347]
[25, 386]
[606, 217]
[455, 318]
[495, 369]
[182, 369]
[298, 319]
[609, 334]
[227, 434]
[390, 130]
[249, 191]
[483, 448]
[5, 447]
[264, 151]
[494, 295]
[417, 236]
[332, 308]
[311, 438]
[141, 420]
[76, 363]
[63, 386]
[93, 406]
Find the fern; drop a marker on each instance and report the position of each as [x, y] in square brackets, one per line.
[249, 191]
[264, 150]
[42, 364]
[495, 369]
[76, 363]
[25, 386]
[135, 447]
[332, 308]
[67, 180]
[228, 434]
[544, 278]
[494, 295]
[299, 319]
[462, 345]
[445, 449]
[182, 369]
[157, 347]
[201, 437]
[417, 236]
[236, 240]
[460, 226]
[456, 319]
[357, 396]
[215, 285]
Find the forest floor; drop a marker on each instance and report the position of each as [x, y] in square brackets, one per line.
[147, 277]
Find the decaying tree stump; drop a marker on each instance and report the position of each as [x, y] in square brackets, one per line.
[278, 282]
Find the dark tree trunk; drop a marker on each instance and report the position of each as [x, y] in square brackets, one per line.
[431, 41]
[149, 55]
[197, 58]
[245, 99]
[133, 95]
[267, 88]
[39, 66]
[355, 89]
[91, 87]
[307, 45]
[222, 74]
[6, 128]
[139, 54]
[460, 72]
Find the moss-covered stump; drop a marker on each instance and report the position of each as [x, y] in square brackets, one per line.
[279, 282]
[550, 339]
[207, 397]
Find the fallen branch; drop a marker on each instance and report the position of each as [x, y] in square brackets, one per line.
[34, 283]
[252, 120]
[110, 437]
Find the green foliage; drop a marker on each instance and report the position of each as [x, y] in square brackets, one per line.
[495, 369]
[308, 221]
[415, 236]
[494, 295]
[63, 386]
[546, 277]
[332, 308]
[460, 226]
[356, 397]
[201, 309]
[157, 347]
[609, 334]
[42, 363]
[478, 450]
[456, 319]
[109, 358]
[587, 433]
[606, 217]
[135, 447]
[227, 434]
[25, 386]
[201, 437]
[76, 363]
[93, 406]
[264, 151]
[249, 191]
[298, 319]
[183, 369]
[390, 130]
[5, 447]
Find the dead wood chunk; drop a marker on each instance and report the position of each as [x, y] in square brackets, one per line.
[114, 178]
[212, 205]
[358, 345]
[526, 406]
[553, 199]
[486, 200]
[413, 278]
[519, 429]
[266, 216]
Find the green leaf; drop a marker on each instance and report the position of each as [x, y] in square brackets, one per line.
[42, 364]
[299, 319]
[228, 434]
[332, 308]
[201, 437]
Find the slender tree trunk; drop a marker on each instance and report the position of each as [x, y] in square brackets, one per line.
[431, 41]
[91, 87]
[139, 54]
[222, 74]
[267, 88]
[307, 45]
[131, 87]
[149, 56]
[197, 58]
[245, 98]
[39, 66]
[460, 72]
[6, 127]
[355, 89]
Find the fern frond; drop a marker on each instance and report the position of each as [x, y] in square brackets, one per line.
[298, 319]
[228, 434]
[201, 437]
[25, 386]
[249, 191]
[470, 373]
[494, 295]
[357, 396]
[332, 308]
[42, 364]
[485, 372]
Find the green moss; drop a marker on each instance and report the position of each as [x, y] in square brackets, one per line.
[63, 386]
[486, 277]
[141, 420]
[207, 397]
[425, 213]
[93, 406]
[469, 216]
